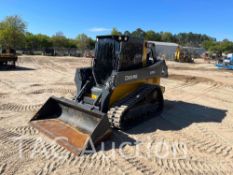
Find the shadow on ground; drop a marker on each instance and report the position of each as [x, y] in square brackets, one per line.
[176, 116]
[18, 68]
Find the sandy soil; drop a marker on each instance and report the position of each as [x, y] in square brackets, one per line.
[192, 136]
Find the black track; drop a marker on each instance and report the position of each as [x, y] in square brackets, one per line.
[138, 106]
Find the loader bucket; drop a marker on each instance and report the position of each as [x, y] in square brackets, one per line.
[72, 125]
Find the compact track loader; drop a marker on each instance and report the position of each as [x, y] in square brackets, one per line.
[183, 55]
[121, 88]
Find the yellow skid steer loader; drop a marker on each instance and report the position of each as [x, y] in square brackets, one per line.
[120, 89]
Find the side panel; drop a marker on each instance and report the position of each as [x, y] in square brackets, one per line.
[126, 82]
[156, 70]
[123, 90]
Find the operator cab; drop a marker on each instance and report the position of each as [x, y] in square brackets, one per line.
[120, 53]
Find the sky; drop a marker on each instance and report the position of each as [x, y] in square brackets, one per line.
[72, 17]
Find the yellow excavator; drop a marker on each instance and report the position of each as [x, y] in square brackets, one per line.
[183, 55]
[121, 89]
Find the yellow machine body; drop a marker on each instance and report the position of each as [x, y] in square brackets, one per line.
[125, 89]
[177, 54]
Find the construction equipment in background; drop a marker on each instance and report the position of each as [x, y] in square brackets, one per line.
[226, 62]
[206, 57]
[8, 58]
[89, 53]
[121, 88]
[183, 55]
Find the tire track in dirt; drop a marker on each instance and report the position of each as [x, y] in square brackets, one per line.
[55, 90]
[6, 136]
[194, 95]
[204, 80]
[205, 142]
[27, 147]
[210, 146]
[3, 95]
[9, 157]
[218, 130]
[184, 85]
[204, 92]
[97, 163]
[7, 115]
[50, 65]
[132, 165]
[24, 130]
[94, 162]
[222, 99]
[3, 168]
[187, 166]
[8, 83]
[64, 83]
[191, 68]
[192, 81]
[11, 170]
[228, 125]
[179, 166]
[142, 167]
[54, 162]
[143, 164]
[196, 80]
[189, 146]
[20, 108]
[54, 155]
[221, 147]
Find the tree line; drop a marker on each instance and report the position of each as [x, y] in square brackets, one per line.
[184, 39]
[13, 34]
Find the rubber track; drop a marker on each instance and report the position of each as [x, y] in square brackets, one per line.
[116, 113]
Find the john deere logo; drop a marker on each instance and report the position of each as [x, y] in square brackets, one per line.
[152, 72]
[131, 77]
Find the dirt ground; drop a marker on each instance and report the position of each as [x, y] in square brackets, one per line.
[194, 134]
